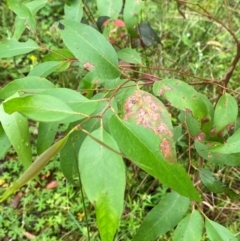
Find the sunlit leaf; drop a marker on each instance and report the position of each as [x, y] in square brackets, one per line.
[73, 10]
[39, 108]
[17, 130]
[102, 173]
[217, 232]
[204, 150]
[47, 68]
[225, 113]
[4, 143]
[29, 85]
[13, 48]
[129, 55]
[142, 147]
[110, 8]
[93, 51]
[186, 98]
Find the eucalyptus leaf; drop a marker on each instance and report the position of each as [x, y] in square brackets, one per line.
[163, 217]
[16, 128]
[129, 55]
[93, 51]
[110, 8]
[102, 174]
[131, 15]
[29, 85]
[190, 228]
[141, 146]
[4, 143]
[13, 48]
[217, 232]
[47, 68]
[40, 108]
[73, 10]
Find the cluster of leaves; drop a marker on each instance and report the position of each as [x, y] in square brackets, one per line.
[111, 118]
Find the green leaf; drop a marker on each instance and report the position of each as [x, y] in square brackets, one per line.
[4, 143]
[103, 178]
[213, 184]
[130, 55]
[91, 48]
[36, 167]
[28, 84]
[46, 135]
[58, 55]
[217, 232]
[163, 217]
[110, 8]
[142, 147]
[203, 149]
[194, 127]
[69, 157]
[40, 108]
[13, 48]
[225, 114]
[82, 106]
[131, 14]
[20, 26]
[73, 10]
[146, 110]
[186, 98]
[230, 146]
[16, 128]
[190, 228]
[35, 6]
[47, 68]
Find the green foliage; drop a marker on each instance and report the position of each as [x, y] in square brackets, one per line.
[121, 117]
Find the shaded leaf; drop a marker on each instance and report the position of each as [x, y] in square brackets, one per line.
[91, 48]
[147, 34]
[103, 178]
[142, 147]
[190, 228]
[217, 232]
[163, 217]
[214, 184]
[58, 55]
[13, 48]
[46, 135]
